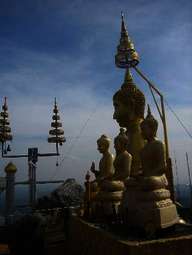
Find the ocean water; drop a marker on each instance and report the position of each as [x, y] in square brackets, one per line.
[183, 194]
[22, 194]
[182, 191]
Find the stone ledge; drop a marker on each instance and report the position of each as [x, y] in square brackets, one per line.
[85, 238]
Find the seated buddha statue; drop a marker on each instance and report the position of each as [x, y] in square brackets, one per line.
[122, 162]
[146, 201]
[153, 159]
[111, 188]
[105, 170]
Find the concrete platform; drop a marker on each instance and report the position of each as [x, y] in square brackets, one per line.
[86, 238]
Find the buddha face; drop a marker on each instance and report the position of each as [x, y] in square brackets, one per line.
[147, 132]
[102, 147]
[119, 146]
[123, 114]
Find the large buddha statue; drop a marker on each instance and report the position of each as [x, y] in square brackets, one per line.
[129, 105]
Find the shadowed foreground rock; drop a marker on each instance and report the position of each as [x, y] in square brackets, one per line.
[27, 236]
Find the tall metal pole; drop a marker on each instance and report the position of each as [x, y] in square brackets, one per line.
[30, 184]
[162, 113]
[177, 178]
[169, 172]
[34, 185]
[189, 175]
[32, 159]
[164, 127]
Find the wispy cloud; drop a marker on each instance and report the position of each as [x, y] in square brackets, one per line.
[73, 59]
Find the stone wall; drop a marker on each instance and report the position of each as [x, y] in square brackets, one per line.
[85, 239]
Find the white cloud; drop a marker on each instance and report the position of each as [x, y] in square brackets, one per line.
[36, 78]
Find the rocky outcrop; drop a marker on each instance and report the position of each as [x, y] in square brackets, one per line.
[70, 193]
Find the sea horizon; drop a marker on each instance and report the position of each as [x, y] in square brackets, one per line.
[182, 193]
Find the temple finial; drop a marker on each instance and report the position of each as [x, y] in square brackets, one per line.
[128, 76]
[5, 100]
[149, 116]
[148, 111]
[55, 105]
[128, 80]
[5, 107]
[126, 54]
[122, 15]
[123, 27]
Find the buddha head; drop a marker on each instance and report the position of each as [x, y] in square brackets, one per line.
[149, 126]
[121, 141]
[129, 102]
[103, 143]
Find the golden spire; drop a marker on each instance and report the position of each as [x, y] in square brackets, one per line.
[128, 81]
[150, 118]
[126, 54]
[148, 111]
[128, 76]
[123, 27]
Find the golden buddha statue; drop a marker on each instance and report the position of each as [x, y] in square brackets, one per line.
[122, 162]
[129, 105]
[147, 199]
[111, 188]
[106, 162]
[104, 172]
[153, 158]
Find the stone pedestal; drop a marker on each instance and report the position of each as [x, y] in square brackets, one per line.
[108, 198]
[147, 208]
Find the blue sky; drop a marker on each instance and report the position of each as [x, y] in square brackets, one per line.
[66, 49]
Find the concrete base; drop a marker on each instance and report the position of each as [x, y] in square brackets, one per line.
[157, 218]
[150, 210]
[85, 238]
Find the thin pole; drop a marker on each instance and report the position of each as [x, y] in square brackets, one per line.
[57, 148]
[30, 183]
[34, 184]
[169, 171]
[189, 175]
[164, 126]
[2, 148]
[147, 80]
[162, 115]
[177, 177]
